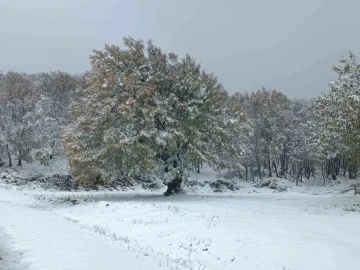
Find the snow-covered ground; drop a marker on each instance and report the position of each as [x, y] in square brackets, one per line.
[48, 241]
[213, 227]
[10, 259]
[143, 230]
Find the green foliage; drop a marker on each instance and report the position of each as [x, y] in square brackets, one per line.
[338, 111]
[147, 110]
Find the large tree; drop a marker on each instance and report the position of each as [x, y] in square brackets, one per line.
[338, 113]
[147, 110]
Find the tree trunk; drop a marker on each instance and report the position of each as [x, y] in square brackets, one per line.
[308, 170]
[323, 173]
[252, 172]
[52, 146]
[269, 166]
[259, 169]
[332, 164]
[313, 171]
[275, 167]
[9, 156]
[19, 160]
[174, 187]
[351, 176]
[282, 161]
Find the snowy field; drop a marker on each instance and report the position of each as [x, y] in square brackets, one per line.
[142, 230]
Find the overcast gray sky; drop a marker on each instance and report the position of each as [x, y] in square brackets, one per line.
[288, 45]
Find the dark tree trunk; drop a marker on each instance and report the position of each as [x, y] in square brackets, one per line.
[174, 187]
[246, 172]
[19, 160]
[323, 172]
[282, 163]
[338, 164]
[9, 156]
[332, 168]
[252, 172]
[198, 168]
[313, 171]
[259, 169]
[52, 146]
[328, 168]
[275, 167]
[352, 172]
[269, 166]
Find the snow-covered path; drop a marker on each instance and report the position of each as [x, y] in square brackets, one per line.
[49, 242]
[9, 259]
[244, 231]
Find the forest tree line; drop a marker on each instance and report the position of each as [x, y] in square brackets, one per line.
[140, 110]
